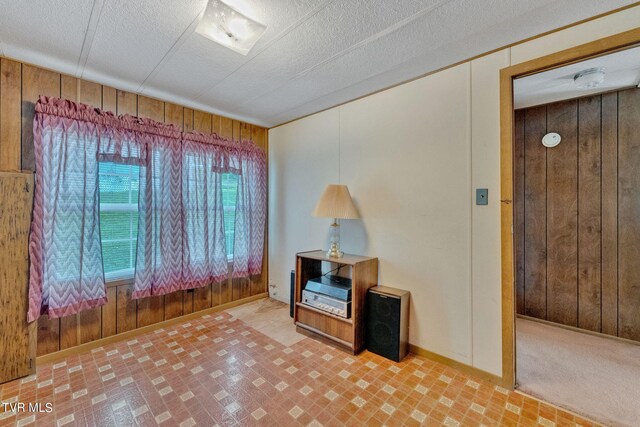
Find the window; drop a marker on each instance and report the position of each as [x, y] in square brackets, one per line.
[229, 198]
[119, 186]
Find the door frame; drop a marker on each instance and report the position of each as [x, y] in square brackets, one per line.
[507, 75]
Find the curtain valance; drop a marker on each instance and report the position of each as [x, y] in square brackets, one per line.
[180, 242]
[224, 143]
[64, 108]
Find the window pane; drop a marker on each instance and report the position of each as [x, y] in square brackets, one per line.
[229, 198]
[119, 185]
[229, 189]
[114, 189]
[115, 225]
[116, 255]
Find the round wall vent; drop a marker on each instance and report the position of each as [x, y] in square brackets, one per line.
[550, 140]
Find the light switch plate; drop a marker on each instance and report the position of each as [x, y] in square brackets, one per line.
[482, 196]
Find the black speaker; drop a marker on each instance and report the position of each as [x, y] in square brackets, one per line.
[388, 322]
[292, 301]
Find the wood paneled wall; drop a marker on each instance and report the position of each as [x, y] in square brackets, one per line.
[577, 213]
[15, 222]
[20, 86]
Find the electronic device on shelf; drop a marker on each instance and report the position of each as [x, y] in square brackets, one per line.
[346, 326]
[329, 293]
[332, 286]
[326, 303]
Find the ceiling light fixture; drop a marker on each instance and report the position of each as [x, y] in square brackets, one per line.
[230, 28]
[589, 79]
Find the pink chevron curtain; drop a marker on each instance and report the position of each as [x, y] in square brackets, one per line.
[249, 162]
[250, 210]
[66, 271]
[204, 256]
[66, 257]
[180, 242]
[159, 268]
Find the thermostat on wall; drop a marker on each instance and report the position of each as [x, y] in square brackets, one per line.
[550, 140]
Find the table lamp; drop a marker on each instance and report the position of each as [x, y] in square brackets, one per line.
[335, 203]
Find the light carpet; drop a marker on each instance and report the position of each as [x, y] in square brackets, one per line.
[591, 375]
[271, 317]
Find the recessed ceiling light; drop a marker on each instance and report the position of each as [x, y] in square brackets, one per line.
[230, 28]
[589, 79]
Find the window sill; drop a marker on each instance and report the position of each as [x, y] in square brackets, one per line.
[114, 283]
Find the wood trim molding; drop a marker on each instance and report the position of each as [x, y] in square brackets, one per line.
[119, 282]
[85, 348]
[579, 330]
[484, 375]
[554, 60]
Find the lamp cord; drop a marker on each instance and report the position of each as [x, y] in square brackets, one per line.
[331, 271]
[339, 140]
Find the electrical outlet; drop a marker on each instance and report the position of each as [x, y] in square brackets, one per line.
[273, 288]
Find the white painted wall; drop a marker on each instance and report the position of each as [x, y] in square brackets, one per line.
[412, 157]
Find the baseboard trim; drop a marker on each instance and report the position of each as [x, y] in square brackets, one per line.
[574, 329]
[279, 298]
[467, 369]
[87, 347]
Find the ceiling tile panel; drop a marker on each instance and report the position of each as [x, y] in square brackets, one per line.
[44, 32]
[200, 63]
[441, 48]
[132, 37]
[388, 61]
[621, 70]
[340, 27]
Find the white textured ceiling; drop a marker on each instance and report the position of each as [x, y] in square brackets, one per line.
[622, 70]
[315, 53]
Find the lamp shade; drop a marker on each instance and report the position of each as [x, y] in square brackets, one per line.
[336, 203]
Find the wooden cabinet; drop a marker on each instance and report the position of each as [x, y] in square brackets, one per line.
[16, 195]
[346, 332]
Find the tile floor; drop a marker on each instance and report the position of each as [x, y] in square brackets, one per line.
[218, 369]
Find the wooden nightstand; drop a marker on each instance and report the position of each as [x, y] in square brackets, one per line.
[346, 332]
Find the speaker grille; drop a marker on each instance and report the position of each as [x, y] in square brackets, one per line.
[383, 325]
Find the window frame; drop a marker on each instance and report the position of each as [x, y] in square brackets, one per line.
[233, 209]
[123, 276]
[127, 276]
[126, 273]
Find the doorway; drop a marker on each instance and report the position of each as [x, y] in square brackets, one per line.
[569, 270]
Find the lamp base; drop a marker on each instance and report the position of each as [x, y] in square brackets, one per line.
[334, 252]
[334, 232]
